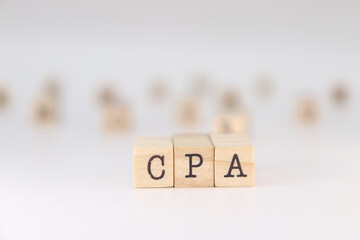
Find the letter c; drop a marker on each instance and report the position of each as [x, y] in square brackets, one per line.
[149, 167]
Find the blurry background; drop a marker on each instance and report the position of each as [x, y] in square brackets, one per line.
[73, 178]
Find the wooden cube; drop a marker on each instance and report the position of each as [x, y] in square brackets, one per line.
[153, 162]
[231, 123]
[201, 84]
[234, 160]
[53, 86]
[45, 110]
[158, 89]
[230, 99]
[340, 94]
[117, 117]
[3, 97]
[264, 85]
[107, 96]
[193, 160]
[189, 112]
[307, 110]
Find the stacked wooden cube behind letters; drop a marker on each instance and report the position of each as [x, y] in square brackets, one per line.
[194, 160]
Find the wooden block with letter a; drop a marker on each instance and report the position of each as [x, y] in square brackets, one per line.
[234, 160]
[193, 160]
[153, 162]
[231, 123]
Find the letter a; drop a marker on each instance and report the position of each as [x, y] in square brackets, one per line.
[235, 158]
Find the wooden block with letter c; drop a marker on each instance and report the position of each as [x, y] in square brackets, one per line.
[153, 162]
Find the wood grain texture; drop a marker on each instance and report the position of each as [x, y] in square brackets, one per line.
[144, 150]
[200, 145]
[231, 123]
[228, 147]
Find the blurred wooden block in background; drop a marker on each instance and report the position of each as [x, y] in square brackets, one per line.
[231, 123]
[307, 110]
[264, 85]
[189, 114]
[107, 96]
[45, 110]
[234, 160]
[52, 86]
[201, 85]
[117, 117]
[158, 89]
[340, 94]
[4, 97]
[193, 160]
[153, 162]
[230, 100]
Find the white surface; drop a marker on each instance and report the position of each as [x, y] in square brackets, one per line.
[61, 184]
[74, 182]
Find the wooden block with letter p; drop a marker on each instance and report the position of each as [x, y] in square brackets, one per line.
[234, 160]
[153, 162]
[193, 160]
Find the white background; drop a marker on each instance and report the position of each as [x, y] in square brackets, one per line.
[73, 181]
